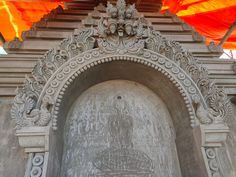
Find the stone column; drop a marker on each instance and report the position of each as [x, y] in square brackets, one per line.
[35, 141]
[213, 138]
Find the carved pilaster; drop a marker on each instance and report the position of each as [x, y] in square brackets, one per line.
[35, 141]
[37, 165]
[213, 163]
[213, 137]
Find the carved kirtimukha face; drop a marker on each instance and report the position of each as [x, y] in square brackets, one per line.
[121, 31]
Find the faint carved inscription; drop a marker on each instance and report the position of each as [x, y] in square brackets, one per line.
[121, 160]
[119, 129]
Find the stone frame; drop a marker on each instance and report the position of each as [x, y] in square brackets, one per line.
[40, 123]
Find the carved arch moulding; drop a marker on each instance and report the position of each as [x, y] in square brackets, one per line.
[122, 35]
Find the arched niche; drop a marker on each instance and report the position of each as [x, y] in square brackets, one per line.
[188, 147]
[119, 122]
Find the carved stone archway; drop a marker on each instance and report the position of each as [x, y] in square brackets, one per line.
[121, 41]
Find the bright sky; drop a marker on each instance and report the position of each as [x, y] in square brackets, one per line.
[2, 51]
[228, 54]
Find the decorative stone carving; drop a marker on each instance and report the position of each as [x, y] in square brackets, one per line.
[202, 114]
[213, 162]
[219, 105]
[25, 113]
[36, 165]
[119, 33]
[213, 135]
[34, 139]
[14, 44]
[215, 48]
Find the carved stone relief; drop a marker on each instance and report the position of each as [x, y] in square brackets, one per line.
[36, 165]
[119, 128]
[122, 32]
[121, 35]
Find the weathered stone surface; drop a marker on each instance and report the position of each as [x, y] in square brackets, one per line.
[118, 126]
[12, 157]
[231, 142]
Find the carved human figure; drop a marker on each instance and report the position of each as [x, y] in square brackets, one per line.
[129, 28]
[120, 126]
[112, 28]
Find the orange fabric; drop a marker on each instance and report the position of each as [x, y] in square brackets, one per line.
[211, 18]
[18, 16]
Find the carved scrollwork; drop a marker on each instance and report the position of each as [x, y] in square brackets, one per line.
[213, 162]
[25, 113]
[24, 109]
[219, 108]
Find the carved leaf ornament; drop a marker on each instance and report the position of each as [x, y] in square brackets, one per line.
[122, 32]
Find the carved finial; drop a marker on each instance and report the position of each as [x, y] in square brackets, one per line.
[120, 20]
[122, 26]
[215, 48]
[14, 44]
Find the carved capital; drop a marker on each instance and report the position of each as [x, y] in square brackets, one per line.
[213, 135]
[34, 139]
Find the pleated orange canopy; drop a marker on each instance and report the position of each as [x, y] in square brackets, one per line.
[211, 18]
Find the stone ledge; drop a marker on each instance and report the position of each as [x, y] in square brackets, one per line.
[34, 139]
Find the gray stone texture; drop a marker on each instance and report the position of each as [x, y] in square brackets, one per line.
[231, 144]
[123, 116]
[12, 157]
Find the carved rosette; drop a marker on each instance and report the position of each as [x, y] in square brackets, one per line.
[35, 166]
[121, 33]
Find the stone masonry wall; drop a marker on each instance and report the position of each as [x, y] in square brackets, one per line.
[12, 157]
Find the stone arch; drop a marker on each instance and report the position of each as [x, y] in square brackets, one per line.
[65, 75]
[141, 49]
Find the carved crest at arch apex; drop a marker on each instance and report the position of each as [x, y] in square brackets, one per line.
[122, 32]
